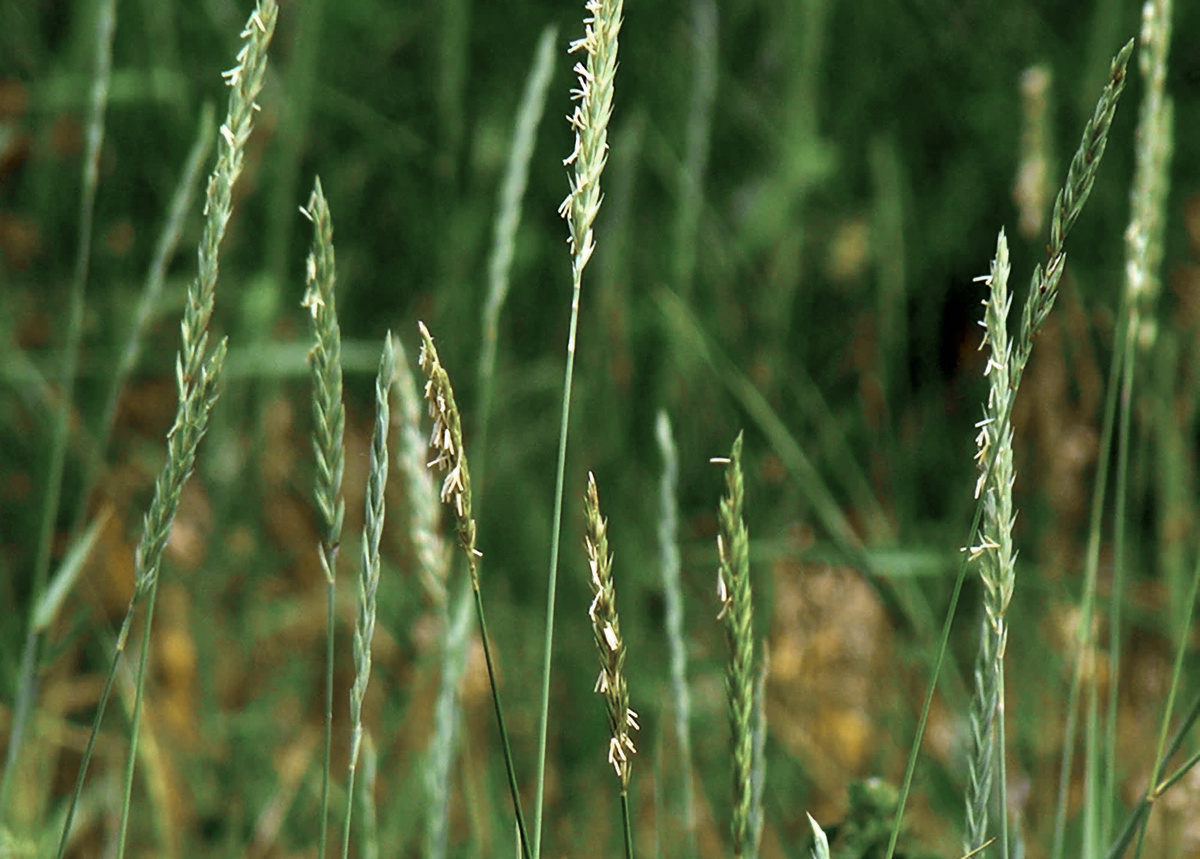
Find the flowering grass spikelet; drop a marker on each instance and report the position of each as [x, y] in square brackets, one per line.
[607, 627]
[737, 613]
[446, 444]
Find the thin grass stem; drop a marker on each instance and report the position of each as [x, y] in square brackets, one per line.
[705, 44]
[60, 429]
[1143, 253]
[508, 219]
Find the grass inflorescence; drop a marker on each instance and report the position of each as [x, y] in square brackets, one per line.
[329, 428]
[865, 480]
[368, 580]
[737, 611]
[606, 628]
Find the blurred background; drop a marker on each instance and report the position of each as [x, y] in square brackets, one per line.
[797, 199]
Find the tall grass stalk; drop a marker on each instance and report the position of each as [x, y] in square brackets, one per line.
[997, 562]
[668, 551]
[368, 582]
[737, 611]
[60, 429]
[197, 372]
[329, 425]
[508, 218]
[593, 109]
[705, 45]
[1043, 290]
[606, 627]
[450, 459]
[1143, 257]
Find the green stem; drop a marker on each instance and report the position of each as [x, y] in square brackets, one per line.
[508, 761]
[135, 727]
[330, 594]
[628, 826]
[101, 705]
[553, 580]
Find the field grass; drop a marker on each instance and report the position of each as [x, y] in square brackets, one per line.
[259, 604]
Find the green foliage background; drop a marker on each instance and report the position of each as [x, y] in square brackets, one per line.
[405, 111]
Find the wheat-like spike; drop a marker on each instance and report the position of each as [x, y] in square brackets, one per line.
[606, 626]
[368, 581]
[737, 612]
[329, 412]
[593, 107]
[446, 443]
[425, 509]
[994, 550]
[1081, 175]
[329, 423]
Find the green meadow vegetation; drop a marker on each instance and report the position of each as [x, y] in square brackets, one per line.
[790, 453]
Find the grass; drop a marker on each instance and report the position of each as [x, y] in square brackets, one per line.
[763, 185]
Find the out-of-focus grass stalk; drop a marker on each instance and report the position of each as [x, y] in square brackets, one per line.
[508, 218]
[594, 97]
[106, 25]
[329, 424]
[704, 49]
[197, 372]
[891, 366]
[668, 552]
[1143, 257]
[1031, 188]
[368, 582]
